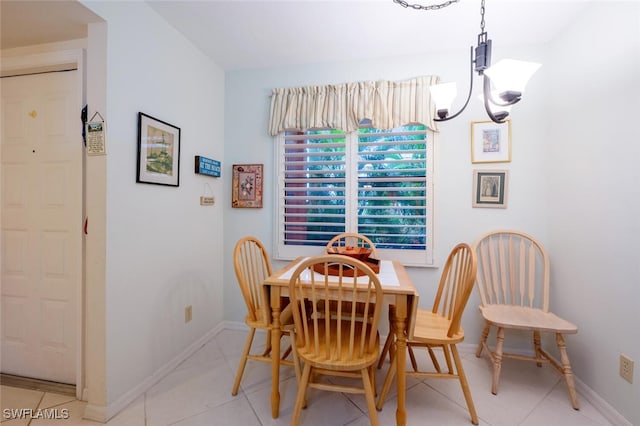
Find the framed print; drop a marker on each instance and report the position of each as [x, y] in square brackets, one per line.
[246, 190]
[490, 188]
[158, 152]
[490, 142]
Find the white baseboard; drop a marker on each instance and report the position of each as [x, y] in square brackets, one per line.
[237, 326]
[600, 404]
[582, 389]
[97, 413]
[104, 414]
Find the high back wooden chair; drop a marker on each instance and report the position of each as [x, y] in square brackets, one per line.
[335, 343]
[252, 266]
[349, 239]
[441, 326]
[513, 281]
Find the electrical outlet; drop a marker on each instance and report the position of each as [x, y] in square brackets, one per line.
[626, 368]
[188, 313]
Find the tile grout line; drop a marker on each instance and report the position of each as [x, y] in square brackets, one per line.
[37, 406]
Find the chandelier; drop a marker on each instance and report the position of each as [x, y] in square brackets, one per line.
[503, 83]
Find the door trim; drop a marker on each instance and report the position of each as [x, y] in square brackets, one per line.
[56, 61]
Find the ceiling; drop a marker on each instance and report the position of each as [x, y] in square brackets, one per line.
[26, 22]
[241, 34]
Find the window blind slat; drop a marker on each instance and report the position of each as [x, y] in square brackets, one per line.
[373, 183]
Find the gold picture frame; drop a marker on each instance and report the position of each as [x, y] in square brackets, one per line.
[490, 188]
[490, 142]
[246, 190]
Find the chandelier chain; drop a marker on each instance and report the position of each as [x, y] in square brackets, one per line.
[482, 14]
[417, 6]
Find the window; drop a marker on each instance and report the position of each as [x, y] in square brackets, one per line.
[374, 182]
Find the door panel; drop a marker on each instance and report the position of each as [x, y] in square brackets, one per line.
[41, 224]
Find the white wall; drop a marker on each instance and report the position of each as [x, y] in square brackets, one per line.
[594, 197]
[573, 178]
[247, 141]
[572, 184]
[162, 247]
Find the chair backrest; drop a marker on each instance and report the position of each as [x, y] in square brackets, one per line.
[513, 269]
[456, 284]
[252, 266]
[343, 333]
[352, 240]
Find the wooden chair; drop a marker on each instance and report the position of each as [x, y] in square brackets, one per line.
[252, 266]
[513, 280]
[340, 343]
[441, 326]
[349, 239]
[352, 240]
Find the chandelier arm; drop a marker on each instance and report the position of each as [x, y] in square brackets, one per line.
[468, 96]
[496, 118]
[482, 62]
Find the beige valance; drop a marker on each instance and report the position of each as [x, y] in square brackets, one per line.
[387, 104]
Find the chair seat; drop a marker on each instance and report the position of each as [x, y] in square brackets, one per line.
[252, 266]
[335, 361]
[525, 318]
[335, 343]
[433, 328]
[438, 327]
[514, 285]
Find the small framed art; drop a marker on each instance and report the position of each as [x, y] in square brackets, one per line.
[246, 190]
[490, 188]
[158, 152]
[490, 142]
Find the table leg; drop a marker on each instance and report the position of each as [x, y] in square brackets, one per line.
[401, 358]
[275, 352]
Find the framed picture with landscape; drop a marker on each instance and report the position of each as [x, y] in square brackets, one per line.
[158, 152]
[490, 142]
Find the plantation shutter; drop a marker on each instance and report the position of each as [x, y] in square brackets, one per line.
[373, 182]
[315, 186]
[392, 187]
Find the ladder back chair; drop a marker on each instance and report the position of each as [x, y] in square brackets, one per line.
[343, 342]
[252, 266]
[513, 281]
[349, 239]
[441, 326]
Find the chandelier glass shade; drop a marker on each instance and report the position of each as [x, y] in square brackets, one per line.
[503, 83]
[511, 75]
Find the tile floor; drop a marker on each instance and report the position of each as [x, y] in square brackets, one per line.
[198, 392]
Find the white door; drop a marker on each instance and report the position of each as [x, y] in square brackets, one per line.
[41, 198]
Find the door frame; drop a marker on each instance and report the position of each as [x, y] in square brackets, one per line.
[50, 62]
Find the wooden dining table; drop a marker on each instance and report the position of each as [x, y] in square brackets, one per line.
[398, 290]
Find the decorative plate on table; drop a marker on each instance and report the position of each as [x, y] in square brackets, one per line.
[360, 253]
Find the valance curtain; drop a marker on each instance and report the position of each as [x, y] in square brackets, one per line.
[387, 104]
